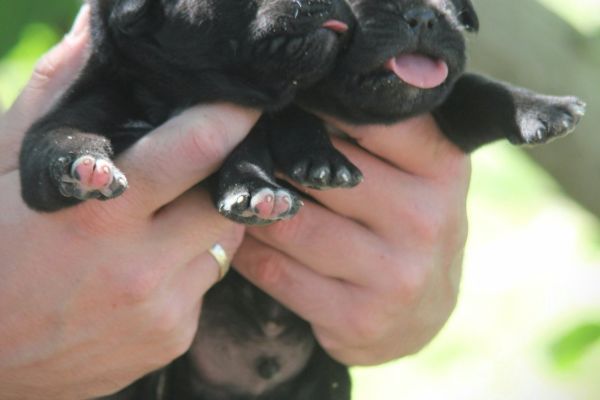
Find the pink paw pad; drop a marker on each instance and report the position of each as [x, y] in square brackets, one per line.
[91, 177]
[93, 174]
[269, 205]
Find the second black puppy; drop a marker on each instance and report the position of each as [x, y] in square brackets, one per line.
[405, 57]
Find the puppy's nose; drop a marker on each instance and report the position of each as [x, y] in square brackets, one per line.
[420, 18]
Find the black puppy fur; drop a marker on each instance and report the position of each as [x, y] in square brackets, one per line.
[472, 110]
[152, 58]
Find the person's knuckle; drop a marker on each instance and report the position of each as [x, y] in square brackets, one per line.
[207, 142]
[167, 322]
[269, 268]
[433, 226]
[177, 331]
[366, 324]
[45, 69]
[136, 286]
[407, 283]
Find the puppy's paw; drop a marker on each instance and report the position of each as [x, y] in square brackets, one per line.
[92, 178]
[546, 118]
[258, 203]
[325, 171]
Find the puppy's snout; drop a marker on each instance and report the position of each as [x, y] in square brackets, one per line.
[420, 18]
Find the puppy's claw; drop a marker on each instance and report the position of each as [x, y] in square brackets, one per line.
[320, 172]
[547, 118]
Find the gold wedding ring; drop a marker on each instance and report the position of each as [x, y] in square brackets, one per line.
[220, 256]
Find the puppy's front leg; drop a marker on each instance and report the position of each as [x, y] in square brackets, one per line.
[66, 156]
[62, 166]
[480, 110]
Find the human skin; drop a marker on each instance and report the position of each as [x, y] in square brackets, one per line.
[95, 296]
[375, 269]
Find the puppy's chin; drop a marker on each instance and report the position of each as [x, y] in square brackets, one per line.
[375, 98]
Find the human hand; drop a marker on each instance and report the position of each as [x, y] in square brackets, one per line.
[375, 269]
[95, 296]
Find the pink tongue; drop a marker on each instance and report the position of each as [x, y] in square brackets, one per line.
[418, 70]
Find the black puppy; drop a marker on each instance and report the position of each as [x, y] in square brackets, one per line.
[404, 58]
[152, 58]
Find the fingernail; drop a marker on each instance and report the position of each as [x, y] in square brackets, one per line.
[80, 24]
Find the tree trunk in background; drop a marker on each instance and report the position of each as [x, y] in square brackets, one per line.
[524, 43]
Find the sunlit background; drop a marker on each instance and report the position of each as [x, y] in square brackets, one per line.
[527, 325]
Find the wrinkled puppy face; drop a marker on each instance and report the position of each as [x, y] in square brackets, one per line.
[403, 59]
[257, 41]
[299, 38]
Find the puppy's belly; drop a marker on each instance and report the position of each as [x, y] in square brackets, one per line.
[251, 366]
[247, 343]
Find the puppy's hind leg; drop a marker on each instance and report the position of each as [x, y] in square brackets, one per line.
[245, 189]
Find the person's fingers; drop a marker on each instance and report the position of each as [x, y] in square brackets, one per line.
[191, 222]
[359, 203]
[198, 275]
[302, 239]
[182, 152]
[317, 299]
[416, 145]
[313, 297]
[51, 78]
[415, 204]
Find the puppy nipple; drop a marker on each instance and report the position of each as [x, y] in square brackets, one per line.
[267, 367]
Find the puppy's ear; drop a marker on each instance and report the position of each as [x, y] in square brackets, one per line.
[467, 16]
[134, 17]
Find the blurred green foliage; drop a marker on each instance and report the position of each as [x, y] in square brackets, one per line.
[17, 14]
[27, 29]
[573, 346]
[16, 66]
[583, 14]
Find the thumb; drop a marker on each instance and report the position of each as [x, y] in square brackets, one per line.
[53, 74]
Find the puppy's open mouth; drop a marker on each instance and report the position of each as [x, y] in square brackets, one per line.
[418, 70]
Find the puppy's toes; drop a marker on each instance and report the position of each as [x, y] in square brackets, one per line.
[330, 172]
[547, 118]
[90, 177]
[258, 204]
